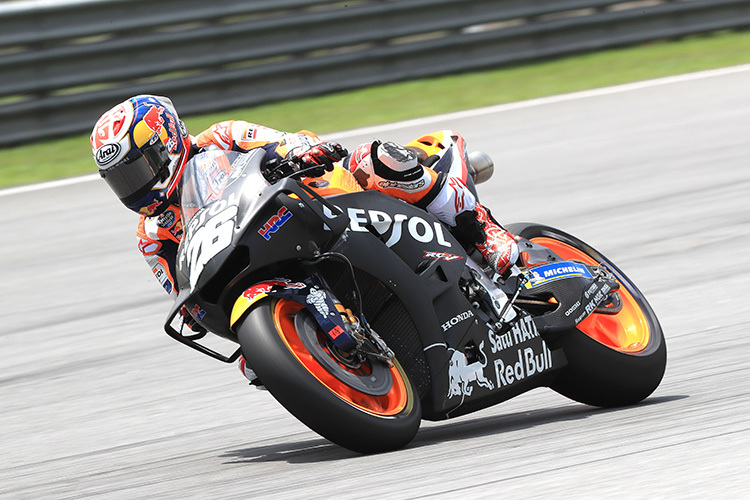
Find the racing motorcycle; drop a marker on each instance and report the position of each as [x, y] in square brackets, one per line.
[362, 314]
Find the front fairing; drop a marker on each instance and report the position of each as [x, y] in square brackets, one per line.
[233, 219]
[211, 190]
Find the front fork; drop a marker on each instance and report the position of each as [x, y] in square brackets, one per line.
[344, 330]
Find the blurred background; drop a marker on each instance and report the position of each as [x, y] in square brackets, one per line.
[97, 402]
[65, 62]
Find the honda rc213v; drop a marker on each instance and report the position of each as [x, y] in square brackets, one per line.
[362, 314]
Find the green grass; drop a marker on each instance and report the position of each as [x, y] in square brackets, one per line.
[382, 104]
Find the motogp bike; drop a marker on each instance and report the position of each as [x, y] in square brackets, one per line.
[362, 314]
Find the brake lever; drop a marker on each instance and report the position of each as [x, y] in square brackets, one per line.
[275, 169]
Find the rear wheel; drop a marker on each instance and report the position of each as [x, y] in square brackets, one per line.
[613, 359]
[366, 406]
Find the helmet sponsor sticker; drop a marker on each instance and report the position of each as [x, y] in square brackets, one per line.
[153, 118]
[107, 153]
[112, 126]
[173, 143]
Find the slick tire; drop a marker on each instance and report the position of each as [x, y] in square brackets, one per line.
[613, 359]
[370, 408]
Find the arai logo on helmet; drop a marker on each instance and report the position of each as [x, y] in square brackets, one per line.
[107, 153]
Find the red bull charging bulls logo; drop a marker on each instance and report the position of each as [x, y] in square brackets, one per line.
[153, 118]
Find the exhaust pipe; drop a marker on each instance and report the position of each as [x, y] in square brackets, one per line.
[481, 167]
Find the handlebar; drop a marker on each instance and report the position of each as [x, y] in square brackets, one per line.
[274, 170]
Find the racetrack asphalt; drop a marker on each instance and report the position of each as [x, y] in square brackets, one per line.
[97, 402]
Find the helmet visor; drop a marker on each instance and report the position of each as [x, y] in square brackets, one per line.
[132, 179]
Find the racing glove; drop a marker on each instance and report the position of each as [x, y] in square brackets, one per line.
[189, 321]
[322, 155]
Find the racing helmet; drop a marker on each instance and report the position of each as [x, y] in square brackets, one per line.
[141, 148]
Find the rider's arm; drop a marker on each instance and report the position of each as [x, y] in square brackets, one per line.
[238, 135]
[158, 239]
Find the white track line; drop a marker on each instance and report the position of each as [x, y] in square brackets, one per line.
[543, 101]
[47, 185]
[499, 108]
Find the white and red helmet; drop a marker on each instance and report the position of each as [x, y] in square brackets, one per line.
[141, 148]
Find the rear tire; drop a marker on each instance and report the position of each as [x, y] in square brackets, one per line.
[367, 409]
[613, 359]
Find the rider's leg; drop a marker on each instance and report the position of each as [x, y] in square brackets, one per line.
[395, 171]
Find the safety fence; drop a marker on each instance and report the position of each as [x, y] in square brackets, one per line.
[64, 63]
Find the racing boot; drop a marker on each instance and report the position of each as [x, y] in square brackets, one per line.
[249, 374]
[499, 247]
[476, 228]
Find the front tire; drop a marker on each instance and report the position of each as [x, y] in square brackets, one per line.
[613, 359]
[368, 408]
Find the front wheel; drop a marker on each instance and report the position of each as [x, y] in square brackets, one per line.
[366, 406]
[613, 359]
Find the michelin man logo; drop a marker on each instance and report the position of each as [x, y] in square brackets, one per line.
[317, 298]
[534, 279]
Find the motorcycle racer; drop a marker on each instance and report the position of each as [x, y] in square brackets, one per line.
[141, 147]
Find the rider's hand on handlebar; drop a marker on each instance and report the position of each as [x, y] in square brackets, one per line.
[322, 155]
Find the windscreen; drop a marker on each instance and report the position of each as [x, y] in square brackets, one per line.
[206, 177]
